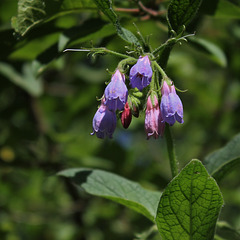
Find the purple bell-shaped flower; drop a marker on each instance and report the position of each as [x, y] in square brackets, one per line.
[141, 73]
[154, 124]
[104, 122]
[116, 92]
[171, 105]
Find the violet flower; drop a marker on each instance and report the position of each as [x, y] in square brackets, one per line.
[141, 73]
[154, 124]
[171, 105]
[116, 92]
[104, 122]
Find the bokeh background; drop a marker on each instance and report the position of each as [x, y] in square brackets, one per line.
[47, 102]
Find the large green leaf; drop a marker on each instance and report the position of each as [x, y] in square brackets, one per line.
[34, 12]
[181, 12]
[190, 205]
[116, 188]
[213, 51]
[106, 8]
[223, 160]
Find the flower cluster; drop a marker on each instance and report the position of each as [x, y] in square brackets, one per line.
[117, 99]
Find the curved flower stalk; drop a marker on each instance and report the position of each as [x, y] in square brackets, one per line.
[116, 92]
[154, 124]
[104, 122]
[141, 73]
[171, 105]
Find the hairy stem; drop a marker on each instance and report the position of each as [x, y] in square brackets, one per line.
[171, 151]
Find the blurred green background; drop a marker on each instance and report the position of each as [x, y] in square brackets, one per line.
[48, 100]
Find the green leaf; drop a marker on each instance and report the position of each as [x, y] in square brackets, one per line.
[116, 188]
[126, 35]
[190, 205]
[213, 51]
[220, 162]
[181, 12]
[27, 80]
[33, 12]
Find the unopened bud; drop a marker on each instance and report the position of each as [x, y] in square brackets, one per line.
[126, 116]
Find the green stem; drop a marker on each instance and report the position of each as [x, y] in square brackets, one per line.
[116, 53]
[169, 43]
[97, 50]
[124, 62]
[164, 75]
[171, 151]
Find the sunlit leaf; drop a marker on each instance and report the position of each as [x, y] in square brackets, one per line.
[220, 162]
[116, 188]
[190, 205]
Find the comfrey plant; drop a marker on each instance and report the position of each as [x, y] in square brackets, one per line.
[189, 206]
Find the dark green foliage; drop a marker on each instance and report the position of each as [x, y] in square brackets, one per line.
[48, 100]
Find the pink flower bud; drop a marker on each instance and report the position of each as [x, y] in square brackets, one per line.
[126, 116]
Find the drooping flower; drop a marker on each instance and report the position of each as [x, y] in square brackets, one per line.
[116, 92]
[154, 124]
[104, 122]
[141, 73]
[126, 116]
[171, 105]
